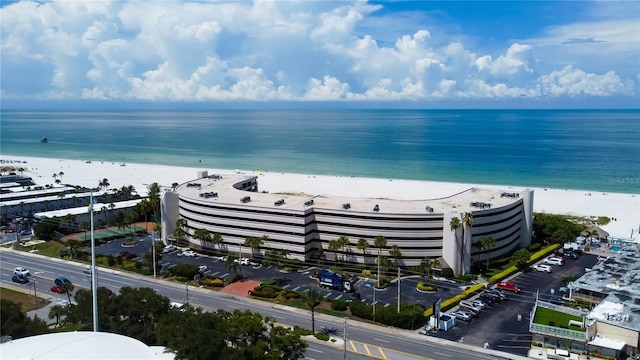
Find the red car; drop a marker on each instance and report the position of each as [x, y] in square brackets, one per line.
[508, 285]
[127, 255]
[105, 290]
[56, 289]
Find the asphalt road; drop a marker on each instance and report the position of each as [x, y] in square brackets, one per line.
[394, 343]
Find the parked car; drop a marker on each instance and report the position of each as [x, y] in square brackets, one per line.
[473, 314]
[242, 261]
[61, 281]
[474, 306]
[497, 292]
[571, 255]
[495, 297]
[509, 286]
[542, 268]
[223, 258]
[479, 303]
[56, 289]
[464, 316]
[21, 270]
[125, 255]
[169, 248]
[487, 299]
[19, 278]
[554, 260]
[354, 297]
[189, 253]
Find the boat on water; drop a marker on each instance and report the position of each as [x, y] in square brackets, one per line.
[44, 140]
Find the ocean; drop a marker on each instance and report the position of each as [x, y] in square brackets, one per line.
[596, 150]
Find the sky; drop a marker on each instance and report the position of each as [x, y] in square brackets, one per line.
[528, 54]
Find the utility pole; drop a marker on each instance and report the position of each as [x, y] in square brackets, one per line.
[374, 302]
[94, 273]
[344, 339]
[186, 285]
[153, 244]
[398, 289]
[34, 292]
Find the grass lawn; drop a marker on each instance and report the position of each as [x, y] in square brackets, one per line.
[49, 248]
[544, 316]
[25, 300]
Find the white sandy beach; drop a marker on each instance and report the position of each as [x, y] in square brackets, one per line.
[625, 208]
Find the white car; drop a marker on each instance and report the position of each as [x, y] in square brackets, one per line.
[542, 268]
[552, 260]
[242, 261]
[169, 248]
[223, 258]
[21, 270]
[189, 253]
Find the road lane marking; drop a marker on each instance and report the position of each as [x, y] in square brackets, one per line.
[316, 350]
[447, 355]
[385, 341]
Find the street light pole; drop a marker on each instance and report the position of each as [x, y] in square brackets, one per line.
[398, 289]
[344, 339]
[153, 244]
[34, 292]
[374, 302]
[94, 273]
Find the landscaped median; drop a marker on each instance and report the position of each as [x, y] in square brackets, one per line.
[532, 259]
[451, 302]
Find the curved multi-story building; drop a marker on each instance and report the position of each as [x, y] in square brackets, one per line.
[232, 206]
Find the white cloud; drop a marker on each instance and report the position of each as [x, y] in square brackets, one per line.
[297, 50]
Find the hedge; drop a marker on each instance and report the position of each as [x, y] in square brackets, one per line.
[339, 305]
[272, 292]
[426, 287]
[532, 259]
[451, 302]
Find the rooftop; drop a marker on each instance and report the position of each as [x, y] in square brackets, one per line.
[618, 273]
[220, 189]
[84, 209]
[619, 310]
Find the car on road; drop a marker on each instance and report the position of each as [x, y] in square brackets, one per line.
[61, 280]
[87, 270]
[508, 285]
[542, 268]
[554, 260]
[19, 278]
[125, 255]
[105, 290]
[21, 270]
[464, 316]
[189, 253]
[56, 289]
[169, 248]
[242, 261]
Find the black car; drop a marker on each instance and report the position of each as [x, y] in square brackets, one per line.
[495, 297]
[19, 278]
[487, 300]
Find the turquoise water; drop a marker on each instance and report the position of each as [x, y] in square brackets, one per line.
[615, 248]
[590, 150]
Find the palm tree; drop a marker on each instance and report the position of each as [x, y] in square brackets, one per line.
[153, 194]
[334, 245]
[143, 208]
[233, 265]
[270, 260]
[180, 232]
[56, 312]
[284, 256]
[312, 297]
[487, 244]
[379, 242]
[467, 223]
[55, 178]
[343, 242]
[396, 253]
[67, 288]
[363, 245]
[254, 243]
[60, 174]
[436, 264]
[104, 183]
[203, 235]
[454, 224]
[217, 240]
[425, 266]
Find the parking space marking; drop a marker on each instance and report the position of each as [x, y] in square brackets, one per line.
[286, 286]
[216, 273]
[296, 288]
[224, 275]
[339, 297]
[387, 304]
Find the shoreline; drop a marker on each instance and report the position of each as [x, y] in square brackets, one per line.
[624, 207]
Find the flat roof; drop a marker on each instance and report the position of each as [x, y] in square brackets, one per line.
[223, 186]
[85, 209]
[618, 309]
[37, 200]
[6, 197]
[620, 272]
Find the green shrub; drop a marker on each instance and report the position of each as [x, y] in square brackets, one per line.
[181, 279]
[451, 302]
[130, 243]
[534, 247]
[234, 278]
[269, 282]
[322, 336]
[301, 331]
[425, 287]
[339, 305]
[131, 265]
[211, 282]
[185, 270]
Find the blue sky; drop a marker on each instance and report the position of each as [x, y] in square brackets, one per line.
[530, 54]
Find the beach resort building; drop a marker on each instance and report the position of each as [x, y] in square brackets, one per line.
[234, 207]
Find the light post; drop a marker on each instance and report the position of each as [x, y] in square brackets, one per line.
[153, 245]
[374, 302]
[344, 339]
[35, 295]
[94, 273]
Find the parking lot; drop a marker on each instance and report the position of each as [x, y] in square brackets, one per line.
[505, 325]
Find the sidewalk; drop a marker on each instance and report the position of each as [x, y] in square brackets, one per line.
[43, 311]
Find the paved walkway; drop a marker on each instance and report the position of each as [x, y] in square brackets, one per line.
[240, 288]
